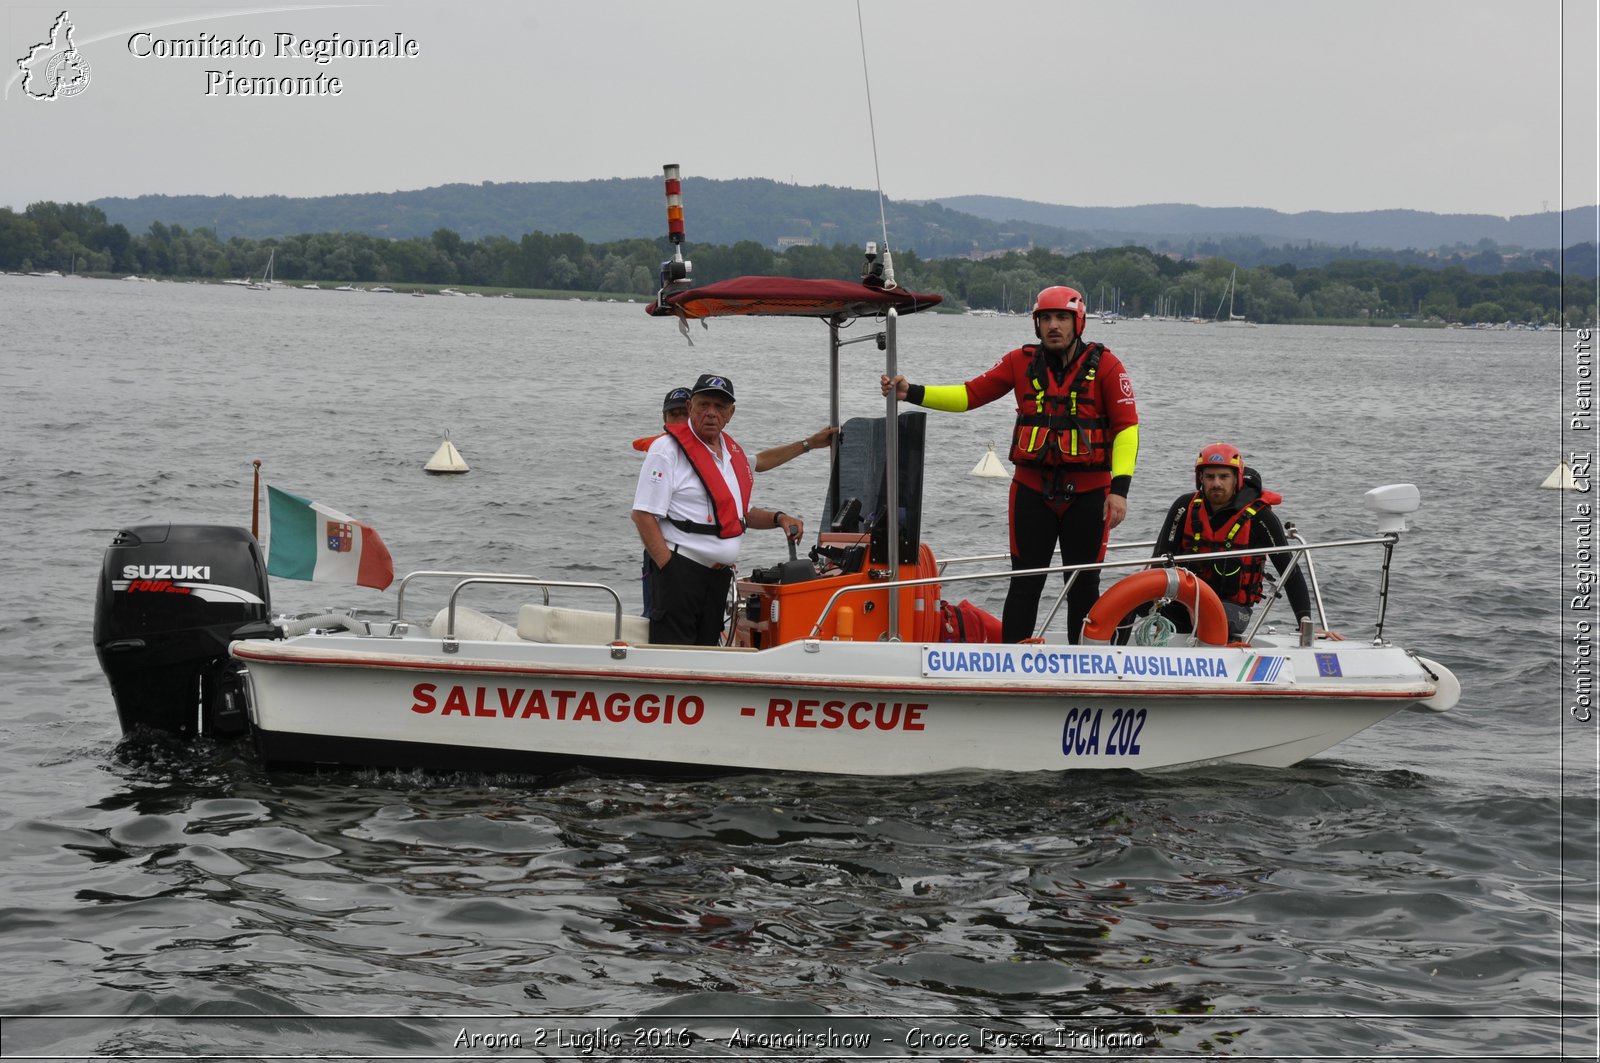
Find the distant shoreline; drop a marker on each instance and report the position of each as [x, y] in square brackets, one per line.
[395, 288]
[559, 295]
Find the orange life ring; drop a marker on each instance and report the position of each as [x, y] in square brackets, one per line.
[1179, 584]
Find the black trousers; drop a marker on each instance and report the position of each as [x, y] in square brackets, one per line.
[688, 602]
[1078, 526]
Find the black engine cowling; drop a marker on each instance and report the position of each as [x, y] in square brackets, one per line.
[171, 597]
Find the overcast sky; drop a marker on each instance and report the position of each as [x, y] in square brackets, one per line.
[1436, 105]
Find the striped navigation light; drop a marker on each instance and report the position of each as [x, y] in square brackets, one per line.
[674, 203]
[675, 271]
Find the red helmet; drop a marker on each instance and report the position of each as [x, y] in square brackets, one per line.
[1060, 298]
[1221, 455]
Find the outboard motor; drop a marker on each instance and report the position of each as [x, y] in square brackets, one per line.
[170, 599]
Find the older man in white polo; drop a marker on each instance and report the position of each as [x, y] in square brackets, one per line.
[692, 507]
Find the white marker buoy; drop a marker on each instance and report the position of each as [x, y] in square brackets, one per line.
[989, 465]
[446, 459]
[1561, 479]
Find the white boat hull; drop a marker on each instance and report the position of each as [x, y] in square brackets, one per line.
[830, 707]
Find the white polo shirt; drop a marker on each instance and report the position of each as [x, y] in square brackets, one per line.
[669, 487]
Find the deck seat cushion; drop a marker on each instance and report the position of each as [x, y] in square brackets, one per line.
[546, 623]
[473, 626]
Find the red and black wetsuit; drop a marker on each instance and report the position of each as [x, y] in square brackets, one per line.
[1075, 439]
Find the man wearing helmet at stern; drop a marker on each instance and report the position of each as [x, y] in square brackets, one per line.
[1073, 447]
[1230, 510]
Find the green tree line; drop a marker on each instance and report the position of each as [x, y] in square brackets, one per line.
[1132, 280]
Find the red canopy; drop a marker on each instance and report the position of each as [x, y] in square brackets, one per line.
[788, 297]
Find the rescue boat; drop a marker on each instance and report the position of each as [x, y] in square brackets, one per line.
[844, 661]
[833, 666]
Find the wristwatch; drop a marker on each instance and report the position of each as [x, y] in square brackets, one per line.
[805, 446]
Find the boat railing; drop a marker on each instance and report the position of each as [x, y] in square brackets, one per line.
[982, 558]
[1298, 548]
[1268, 601]
[450, 642]
[1066, 587]
[970, 560]
[1311, 575]
[400, 595]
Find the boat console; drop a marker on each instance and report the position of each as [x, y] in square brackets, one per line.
[831, 594]
[772, 609]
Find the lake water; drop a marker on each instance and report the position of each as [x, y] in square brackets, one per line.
[1426, 889]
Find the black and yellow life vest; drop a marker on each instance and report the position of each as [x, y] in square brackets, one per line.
[1235, 579]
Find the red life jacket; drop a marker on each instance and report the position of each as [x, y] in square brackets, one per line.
[728, 514]
[1061, 424]
[1235, 579]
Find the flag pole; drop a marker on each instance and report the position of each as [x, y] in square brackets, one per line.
[255, 502]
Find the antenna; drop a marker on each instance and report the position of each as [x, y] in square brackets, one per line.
[888, 260]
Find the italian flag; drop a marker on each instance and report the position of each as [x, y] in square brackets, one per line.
[308, 540]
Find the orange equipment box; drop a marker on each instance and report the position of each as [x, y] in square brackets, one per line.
[770, 614]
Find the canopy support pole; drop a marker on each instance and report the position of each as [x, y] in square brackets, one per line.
[833, 384]
[891, 474]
